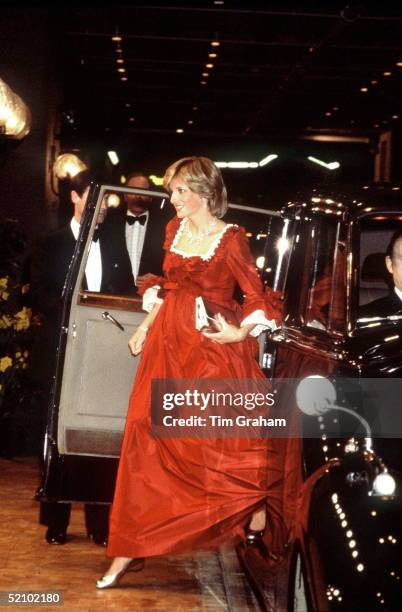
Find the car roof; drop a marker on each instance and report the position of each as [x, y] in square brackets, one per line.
[358, 202]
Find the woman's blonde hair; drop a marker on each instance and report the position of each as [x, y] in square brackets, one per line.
[204, 178]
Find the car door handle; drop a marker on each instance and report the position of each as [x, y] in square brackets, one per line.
[108, 317]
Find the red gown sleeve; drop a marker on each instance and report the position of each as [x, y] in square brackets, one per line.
[261, 305]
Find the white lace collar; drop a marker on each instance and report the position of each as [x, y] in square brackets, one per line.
[212, 249]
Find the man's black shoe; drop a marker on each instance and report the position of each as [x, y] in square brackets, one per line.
[55, 536]
[98, 537]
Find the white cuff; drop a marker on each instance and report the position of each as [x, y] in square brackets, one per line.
[261, 322]
[150, 298]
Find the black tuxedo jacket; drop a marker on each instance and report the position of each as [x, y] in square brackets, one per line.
[383, 307]
[152, 253]
[52, 259]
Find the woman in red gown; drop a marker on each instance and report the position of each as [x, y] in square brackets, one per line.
[178, 494]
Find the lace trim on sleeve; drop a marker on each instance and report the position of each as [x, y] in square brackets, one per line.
[150, 298]
[261, 322]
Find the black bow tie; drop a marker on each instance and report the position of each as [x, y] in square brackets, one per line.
[130, 219]
[95, 236]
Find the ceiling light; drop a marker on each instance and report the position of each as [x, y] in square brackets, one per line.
[330, 166]
[124, 78]
[328, 114]
[190, 122]
[195, 108]
[212, 55]
[386, 73]
[266, 160]
[374, 82]
[215, 43]
[205, 74]
[157, 180]
[131, 119]
[121, 70]
[179, 131]
[209, 65]
[120, 61]
[127, 105]
[364, 89]
[335, 138]
[117, 38]
[236, 165]
[203, 82]
[395, 116]
[114, 158]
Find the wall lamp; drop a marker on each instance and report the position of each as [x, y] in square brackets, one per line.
[15, 116]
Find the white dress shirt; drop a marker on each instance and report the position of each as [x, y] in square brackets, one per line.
[135, 236]
[93, 269]
[398, 293]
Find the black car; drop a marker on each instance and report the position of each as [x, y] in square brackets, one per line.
[343, 375]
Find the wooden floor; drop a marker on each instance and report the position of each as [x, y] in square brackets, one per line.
[204, 581]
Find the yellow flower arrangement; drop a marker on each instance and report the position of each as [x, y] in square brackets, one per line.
[19, 415]
[4, 295]
[5, 363]
[22, 319]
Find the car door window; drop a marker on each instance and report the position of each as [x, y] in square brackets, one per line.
[325, 305]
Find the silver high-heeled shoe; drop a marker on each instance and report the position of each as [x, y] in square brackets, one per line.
[112, 580]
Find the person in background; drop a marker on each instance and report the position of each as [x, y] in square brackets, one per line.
[391, 304]
[107, 272]
[140, 225]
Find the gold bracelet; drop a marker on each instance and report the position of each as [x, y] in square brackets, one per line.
[144, 329]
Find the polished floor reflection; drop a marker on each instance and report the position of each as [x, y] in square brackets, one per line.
[203, 581]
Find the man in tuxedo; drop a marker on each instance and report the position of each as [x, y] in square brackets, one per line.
[392, 303]
[107, 271]
[140, 226]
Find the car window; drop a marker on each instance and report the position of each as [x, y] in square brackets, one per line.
[325, 304]
[110, 264]
[258, 224]
[111, 245]
[374, 280]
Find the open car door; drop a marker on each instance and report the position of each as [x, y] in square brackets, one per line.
[94, 368]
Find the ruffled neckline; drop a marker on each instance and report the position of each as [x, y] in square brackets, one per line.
[212, 249]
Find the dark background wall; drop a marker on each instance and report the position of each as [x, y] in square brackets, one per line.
[26, 65]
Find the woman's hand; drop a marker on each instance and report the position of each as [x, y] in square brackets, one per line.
[137, 340]
[227, 332]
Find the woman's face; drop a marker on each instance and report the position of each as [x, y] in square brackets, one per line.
[186, 202]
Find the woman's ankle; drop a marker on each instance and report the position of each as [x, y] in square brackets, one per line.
[258, 520]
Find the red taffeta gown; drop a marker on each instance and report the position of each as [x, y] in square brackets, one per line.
[174, 495]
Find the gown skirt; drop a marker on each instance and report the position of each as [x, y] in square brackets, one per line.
[179, 494]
